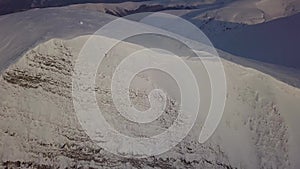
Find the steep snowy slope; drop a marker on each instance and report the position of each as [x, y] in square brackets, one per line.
[39, 127]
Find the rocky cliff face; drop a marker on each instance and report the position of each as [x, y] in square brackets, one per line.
[39, 128]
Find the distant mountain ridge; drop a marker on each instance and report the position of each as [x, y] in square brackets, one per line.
[11, 6]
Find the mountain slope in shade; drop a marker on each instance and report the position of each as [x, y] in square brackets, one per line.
[264, 31]
[275, 42]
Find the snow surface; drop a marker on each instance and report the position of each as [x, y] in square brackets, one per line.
[22, 31]
[259, 128]
[39, 127]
